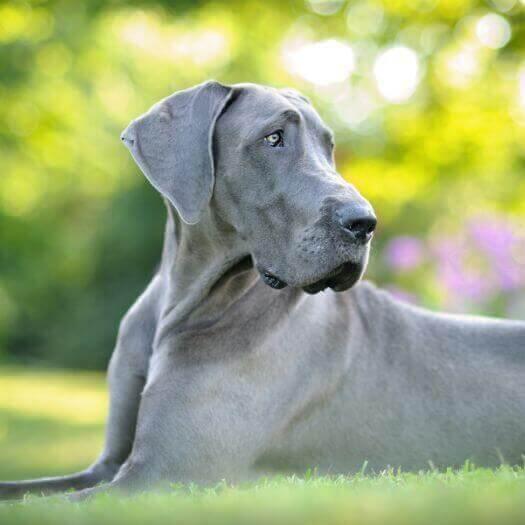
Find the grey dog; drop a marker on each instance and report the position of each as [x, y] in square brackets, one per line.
[231, 365]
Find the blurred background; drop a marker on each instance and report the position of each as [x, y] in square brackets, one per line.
[426, 97]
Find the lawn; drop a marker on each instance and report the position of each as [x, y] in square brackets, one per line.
[52, 423]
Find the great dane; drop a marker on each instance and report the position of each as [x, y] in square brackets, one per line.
[233, 365]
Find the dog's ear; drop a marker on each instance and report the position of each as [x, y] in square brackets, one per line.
[173, 145]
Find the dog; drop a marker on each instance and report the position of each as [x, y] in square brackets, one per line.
[232, 365]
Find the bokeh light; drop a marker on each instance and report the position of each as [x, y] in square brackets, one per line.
[321, 63]
[503, 6]
[396, 71]
[364, 18]
[493, 31]
[354, 106]
[325, 7]
[462, 65]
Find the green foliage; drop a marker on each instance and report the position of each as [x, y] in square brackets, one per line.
[80, 229]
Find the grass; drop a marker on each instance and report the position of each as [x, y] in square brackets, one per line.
[52, 423]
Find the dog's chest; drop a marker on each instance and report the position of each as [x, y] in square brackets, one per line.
[267, 368]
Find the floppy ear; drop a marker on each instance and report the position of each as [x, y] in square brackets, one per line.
[172, 144]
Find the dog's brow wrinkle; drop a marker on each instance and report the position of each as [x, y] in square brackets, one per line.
[291, 114]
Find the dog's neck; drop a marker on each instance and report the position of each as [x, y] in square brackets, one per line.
[206, 268]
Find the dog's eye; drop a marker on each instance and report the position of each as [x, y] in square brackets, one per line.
[275, 139]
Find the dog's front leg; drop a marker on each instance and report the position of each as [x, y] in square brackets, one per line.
[127, 373]
[198, 423]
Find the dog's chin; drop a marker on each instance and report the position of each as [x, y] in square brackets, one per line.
[340, 279]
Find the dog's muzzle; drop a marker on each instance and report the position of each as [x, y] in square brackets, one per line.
[352, 228]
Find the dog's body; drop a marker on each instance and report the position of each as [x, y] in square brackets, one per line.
[218, 376]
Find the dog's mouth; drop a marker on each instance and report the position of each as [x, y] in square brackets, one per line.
[340, 279]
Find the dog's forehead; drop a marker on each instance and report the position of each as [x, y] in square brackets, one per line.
[263, 100]
[257, 104]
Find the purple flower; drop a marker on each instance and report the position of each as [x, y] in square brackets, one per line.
[484, 259]
[461, 271]
[493, 236]
[466, 284]
[498, 240]
[404, 253]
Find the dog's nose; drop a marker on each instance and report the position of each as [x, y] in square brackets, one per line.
[358, 221]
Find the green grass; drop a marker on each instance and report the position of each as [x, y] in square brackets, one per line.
[51, 423]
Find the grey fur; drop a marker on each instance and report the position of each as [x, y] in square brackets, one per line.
[217, 376]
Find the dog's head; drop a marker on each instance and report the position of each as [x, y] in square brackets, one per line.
[262, 160]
